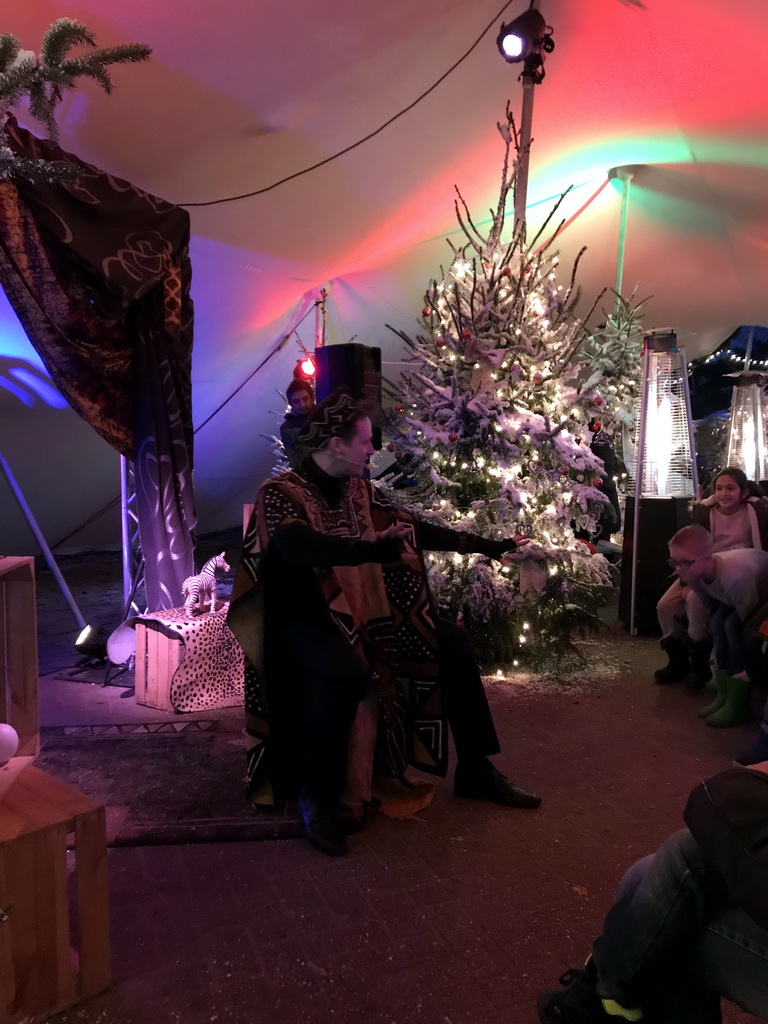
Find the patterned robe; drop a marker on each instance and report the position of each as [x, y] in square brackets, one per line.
[385, 612]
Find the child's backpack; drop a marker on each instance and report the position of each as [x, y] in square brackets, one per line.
[728, 816]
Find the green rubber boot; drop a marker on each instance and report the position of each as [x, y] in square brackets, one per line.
[735, 711]
[721, 682]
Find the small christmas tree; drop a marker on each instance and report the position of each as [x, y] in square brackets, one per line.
[491, 420]
[613, 354]
[43, 81]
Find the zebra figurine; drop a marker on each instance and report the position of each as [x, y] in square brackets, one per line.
[195, 589]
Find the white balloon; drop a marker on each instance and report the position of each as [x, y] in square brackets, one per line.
[9, 742]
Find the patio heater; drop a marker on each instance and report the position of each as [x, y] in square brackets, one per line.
[746, 429]
[664, 476]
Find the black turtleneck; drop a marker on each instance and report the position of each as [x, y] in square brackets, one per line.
[300, 544]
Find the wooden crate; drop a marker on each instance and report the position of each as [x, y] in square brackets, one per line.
[18, 662]
[53, 950]
[157, 657]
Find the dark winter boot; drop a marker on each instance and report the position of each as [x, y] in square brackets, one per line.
[700, 673]
[678, 666]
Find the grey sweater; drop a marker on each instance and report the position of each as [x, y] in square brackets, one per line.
[741, 580]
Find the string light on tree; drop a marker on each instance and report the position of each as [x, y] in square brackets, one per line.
[506, 413]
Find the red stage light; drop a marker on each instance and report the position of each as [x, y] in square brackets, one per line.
[304, 368]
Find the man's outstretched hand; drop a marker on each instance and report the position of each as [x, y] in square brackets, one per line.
[520, 542]
[399, 530]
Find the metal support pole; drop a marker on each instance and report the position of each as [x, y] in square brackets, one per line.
[320, 311]
[132, 557]
[689, 418]
[524, 151]
[625, 175]
[125, 531]
[47, 553]
[526, 128]
[640, 461]
[756, 419]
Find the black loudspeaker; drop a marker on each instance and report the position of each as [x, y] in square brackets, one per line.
[354, 367]
[660, 519]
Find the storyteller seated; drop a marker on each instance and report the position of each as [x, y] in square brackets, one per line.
[736, 515]
[732, 585]
[301, 399]
[332, 608]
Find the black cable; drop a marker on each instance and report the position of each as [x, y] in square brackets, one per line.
[354, 145]
[253, 374]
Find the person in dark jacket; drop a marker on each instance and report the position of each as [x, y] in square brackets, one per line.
[301, 399]
[674, 943]
[736, 515]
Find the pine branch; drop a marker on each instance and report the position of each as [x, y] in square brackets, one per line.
[60, 37]
[45, 80]
[87, 69]
[9, 48]
[460, 203]
[15, 82]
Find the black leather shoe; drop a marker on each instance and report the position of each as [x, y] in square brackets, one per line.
[321, 830]
[483, 781]
[350, 820]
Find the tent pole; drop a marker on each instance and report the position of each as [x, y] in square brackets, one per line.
[47, 553]
[524, 149]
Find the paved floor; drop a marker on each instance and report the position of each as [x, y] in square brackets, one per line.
[459, 915]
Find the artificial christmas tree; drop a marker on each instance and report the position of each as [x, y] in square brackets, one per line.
[493, 418]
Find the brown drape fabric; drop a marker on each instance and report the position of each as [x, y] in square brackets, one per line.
[98, 273]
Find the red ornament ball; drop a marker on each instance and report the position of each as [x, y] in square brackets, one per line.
[590, 547]
[537, 378]
[453, 437]
[426, 311]
[506, 271]
[466, 333]
[400, 408]
[597, 400]
[390, 447]
[439, 342]
[597, 425]
[596, 482]
[563, 470]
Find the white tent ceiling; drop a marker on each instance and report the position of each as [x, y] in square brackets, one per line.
[241, 94]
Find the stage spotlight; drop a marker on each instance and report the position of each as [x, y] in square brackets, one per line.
[518, 39]
[92, 643]
[304, 368]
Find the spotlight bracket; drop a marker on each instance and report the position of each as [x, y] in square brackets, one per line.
[535, 40]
